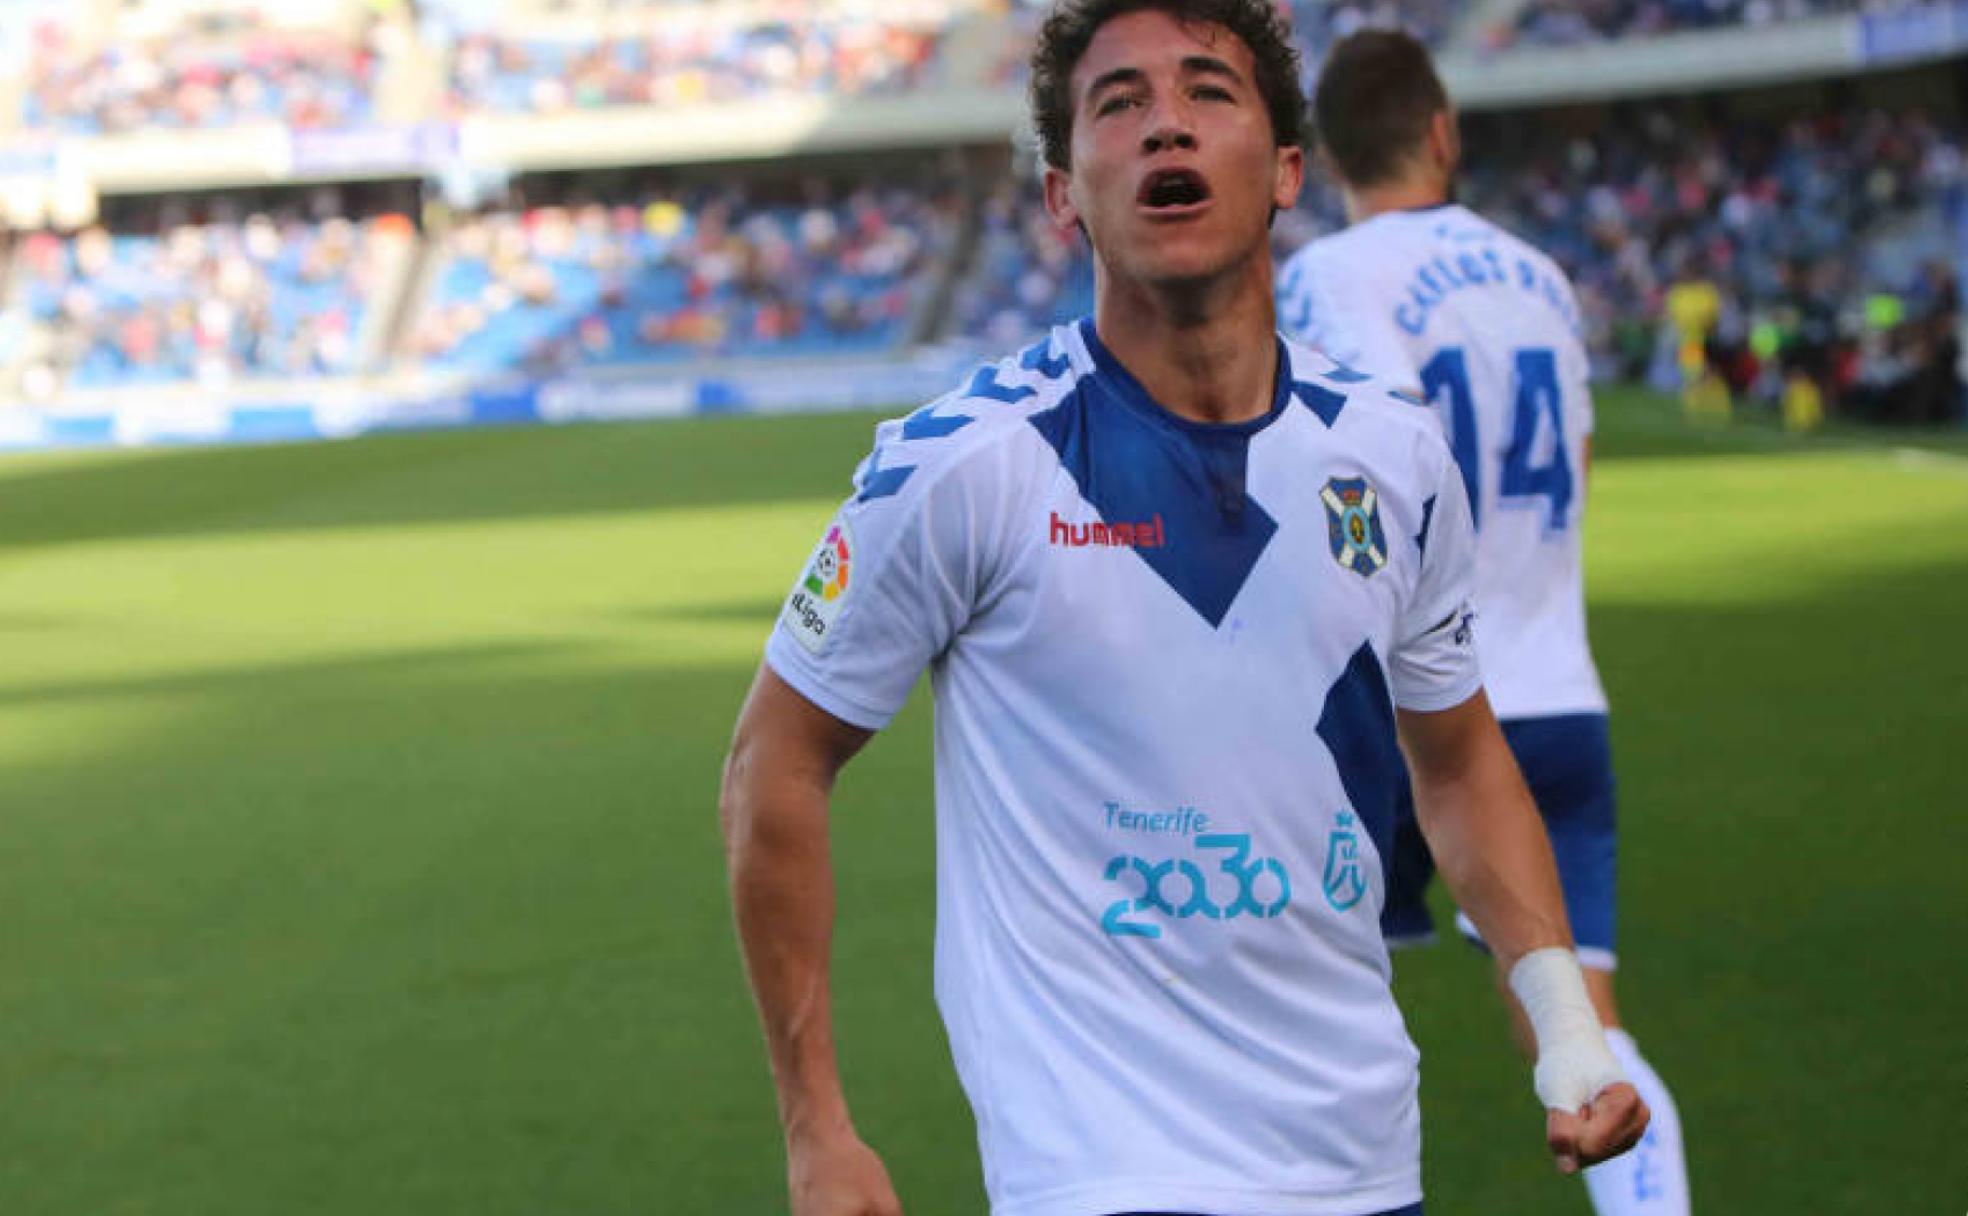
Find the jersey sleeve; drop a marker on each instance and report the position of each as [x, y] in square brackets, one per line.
[1434, 666]
[1310, 309]
[891, 583]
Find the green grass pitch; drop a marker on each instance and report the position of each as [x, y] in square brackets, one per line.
[357, 844]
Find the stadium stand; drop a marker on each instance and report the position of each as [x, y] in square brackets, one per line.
[844, 190]
[1569, 22]
[671, 275]
[258, 295]
[1023, 274]
[687, 55]
[223, 70]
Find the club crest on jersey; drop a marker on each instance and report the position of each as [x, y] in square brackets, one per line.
[816, 600]
[1344, 882]
[1353, 523]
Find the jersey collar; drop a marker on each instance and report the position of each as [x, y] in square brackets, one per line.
[1130, 392]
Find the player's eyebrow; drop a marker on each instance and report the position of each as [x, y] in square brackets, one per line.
[1192, 65]
[1115, 76]
[1210, 65]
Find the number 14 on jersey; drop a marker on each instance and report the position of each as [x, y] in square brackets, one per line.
[1537, 406]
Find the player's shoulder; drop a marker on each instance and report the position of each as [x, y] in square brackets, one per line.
[1324, 256]
[983, 415]
[1359, 406]
[1535, 274]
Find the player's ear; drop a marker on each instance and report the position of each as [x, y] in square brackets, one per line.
[1289, 177]
[1057, 185]
[1444, 140]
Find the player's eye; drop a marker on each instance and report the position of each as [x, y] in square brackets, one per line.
[1116, 102]
[1211, 92]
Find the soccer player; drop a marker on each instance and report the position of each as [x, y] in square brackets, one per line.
[1437, 299]
[1178, 585]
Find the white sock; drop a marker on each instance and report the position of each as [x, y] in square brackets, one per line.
[1652, 1179]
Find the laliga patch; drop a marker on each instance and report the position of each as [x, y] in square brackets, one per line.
[1353, 525]
[816, 601]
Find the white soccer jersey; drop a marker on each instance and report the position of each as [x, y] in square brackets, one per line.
[1443, 301]
[1165, 659]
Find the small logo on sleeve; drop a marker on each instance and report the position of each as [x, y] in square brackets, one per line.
[1465, 630]
[816, 601]
[1353, 525]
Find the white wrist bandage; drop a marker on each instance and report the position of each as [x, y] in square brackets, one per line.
[1573, 1062]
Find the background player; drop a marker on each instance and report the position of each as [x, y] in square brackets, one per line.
[1432, 296]
[1176, 583]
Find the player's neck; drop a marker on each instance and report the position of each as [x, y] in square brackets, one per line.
[1208, 355]
[1404, 194]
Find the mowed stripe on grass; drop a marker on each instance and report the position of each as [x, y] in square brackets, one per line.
[357, 848]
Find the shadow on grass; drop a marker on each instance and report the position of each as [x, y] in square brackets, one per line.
[442, 930]
[451, 476]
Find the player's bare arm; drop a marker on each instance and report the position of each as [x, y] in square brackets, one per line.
[773, 808]
[1492, 851]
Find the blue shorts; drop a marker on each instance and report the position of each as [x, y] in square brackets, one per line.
[1568, 763]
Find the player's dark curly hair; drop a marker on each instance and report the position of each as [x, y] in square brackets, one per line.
[1071, 25]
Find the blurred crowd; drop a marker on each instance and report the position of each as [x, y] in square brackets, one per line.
[1320, 23]
[1568, 22]
[1741, 259]
[1819, 247]
[1023, 274]
[227, 297]
[704, 272]
[226, 66]
[223, 72]
[679, 63]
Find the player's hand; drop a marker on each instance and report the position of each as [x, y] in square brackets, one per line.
[837, 1175]
[1603, 1128]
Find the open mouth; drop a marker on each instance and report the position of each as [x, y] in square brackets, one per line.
[1172, 190]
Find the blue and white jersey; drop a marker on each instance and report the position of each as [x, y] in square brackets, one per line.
[1442, 301]
[1165, 659]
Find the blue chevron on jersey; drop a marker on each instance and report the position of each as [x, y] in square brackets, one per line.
[1322, 401]
[1132, 460]
[1357, 727]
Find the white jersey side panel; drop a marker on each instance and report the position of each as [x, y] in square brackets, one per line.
[1165, 662]
[1484, 326]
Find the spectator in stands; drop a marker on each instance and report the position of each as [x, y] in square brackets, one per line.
[698, 273]
[241, 72]
[1569, 22]
[720, 56]
[259, 295]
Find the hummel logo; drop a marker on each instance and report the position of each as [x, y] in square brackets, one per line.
[1145, 535]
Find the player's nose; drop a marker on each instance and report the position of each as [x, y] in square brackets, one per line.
[1169, 128]
[1169, 136]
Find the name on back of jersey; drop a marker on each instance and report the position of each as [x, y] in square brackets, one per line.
[1444, 275]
